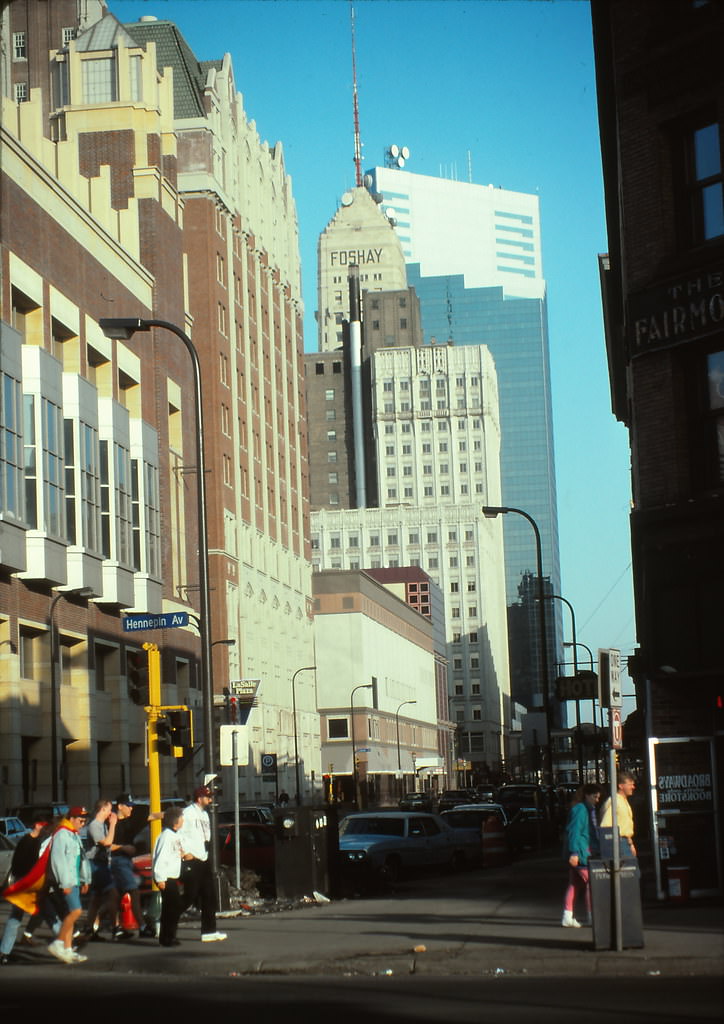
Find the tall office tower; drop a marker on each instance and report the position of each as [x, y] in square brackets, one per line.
[435, 434]
[128, 191]
[473, 257]
[358, 235]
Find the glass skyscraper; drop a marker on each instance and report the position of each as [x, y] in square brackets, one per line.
[474, 258]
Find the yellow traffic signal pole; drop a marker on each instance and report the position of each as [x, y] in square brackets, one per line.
[153, 711]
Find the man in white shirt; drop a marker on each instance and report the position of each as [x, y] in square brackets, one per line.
[199, 887]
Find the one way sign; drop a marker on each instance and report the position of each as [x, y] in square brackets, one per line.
[610, 693]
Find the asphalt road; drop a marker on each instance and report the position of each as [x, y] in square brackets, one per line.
[493, 950]
[356, 1000]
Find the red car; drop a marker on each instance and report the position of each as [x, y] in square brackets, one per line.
[256, 848]
[256, 852]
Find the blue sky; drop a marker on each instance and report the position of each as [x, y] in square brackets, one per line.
[506, 88]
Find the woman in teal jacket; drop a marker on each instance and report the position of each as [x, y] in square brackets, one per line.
[581, 843]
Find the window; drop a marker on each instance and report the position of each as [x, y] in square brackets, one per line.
[331, 456]
[99, 80]
[715, 374]
[67, 35]
[21, 92]
[20, 50]
[329, 395]
[705, 182]
[11, 446]
[338, 728]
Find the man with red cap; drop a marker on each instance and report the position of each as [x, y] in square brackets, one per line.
[199, 889]
[70, 876]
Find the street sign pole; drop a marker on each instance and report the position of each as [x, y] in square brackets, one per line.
[237, 838]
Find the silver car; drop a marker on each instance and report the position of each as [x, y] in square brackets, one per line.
[7, 849]
[390, 842]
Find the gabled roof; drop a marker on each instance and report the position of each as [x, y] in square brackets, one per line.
[172, 50]
[104, 35]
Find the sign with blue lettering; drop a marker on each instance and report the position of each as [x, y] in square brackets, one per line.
[151, 620]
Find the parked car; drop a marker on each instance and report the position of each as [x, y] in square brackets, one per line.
[452, 797]
[387, 843]
[13, 828]
[474, 815]
[416, 802]
[477, 818]
[256, 850]
[259, 813]
[30, 813]
[530, 827]
[7, 849]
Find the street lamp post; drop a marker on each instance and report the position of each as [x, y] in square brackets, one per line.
[298, 795]
[397, 723]
[362, 686]
[574, 645]
[492, 512]
[125, 329]
[55, 680]
[579, 745]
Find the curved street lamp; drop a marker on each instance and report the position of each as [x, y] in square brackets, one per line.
[492, 512]
[397, 723]
[298, 796]
[362, 686]
[55, 681]
[125, 328]
[579, 745]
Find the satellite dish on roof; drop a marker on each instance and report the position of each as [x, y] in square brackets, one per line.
[405, 152]
[347, 199]
[367, 180]
[394, 151]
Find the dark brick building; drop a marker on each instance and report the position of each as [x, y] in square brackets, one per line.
[661, 101]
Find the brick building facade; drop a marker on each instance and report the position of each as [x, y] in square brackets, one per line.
[661, 97]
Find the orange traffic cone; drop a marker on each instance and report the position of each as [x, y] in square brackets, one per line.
[127, 920]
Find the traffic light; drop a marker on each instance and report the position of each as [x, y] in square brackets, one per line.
[164, 742]
[181, 731]
[137, 676]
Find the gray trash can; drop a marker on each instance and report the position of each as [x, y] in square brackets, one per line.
[301, 852]
[602, 909]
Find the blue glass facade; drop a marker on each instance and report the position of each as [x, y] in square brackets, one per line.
[515, 330]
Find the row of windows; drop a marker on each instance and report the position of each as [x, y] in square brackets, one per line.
[101, 659]
[443, 469]
[392, 539]
[20, 41]
[428, 491]
[426, 448]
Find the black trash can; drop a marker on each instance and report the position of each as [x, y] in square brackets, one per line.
[301, 839]
[602, 909]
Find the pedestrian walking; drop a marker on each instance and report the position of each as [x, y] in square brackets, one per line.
[167, 859]
[132, 817]
[69, 877]
[581, 843]
[22, 892]
[625, 786]
[104, 899]
[199, 886]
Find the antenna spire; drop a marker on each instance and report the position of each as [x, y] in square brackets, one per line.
[355, 108]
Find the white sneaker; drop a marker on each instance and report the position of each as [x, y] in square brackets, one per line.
[213, 937]
[76, 957]
[568, 920]
[59, 951]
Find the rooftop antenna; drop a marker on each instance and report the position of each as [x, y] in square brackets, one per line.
[355, 107]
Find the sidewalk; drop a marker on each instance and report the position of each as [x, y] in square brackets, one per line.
[486, 922]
